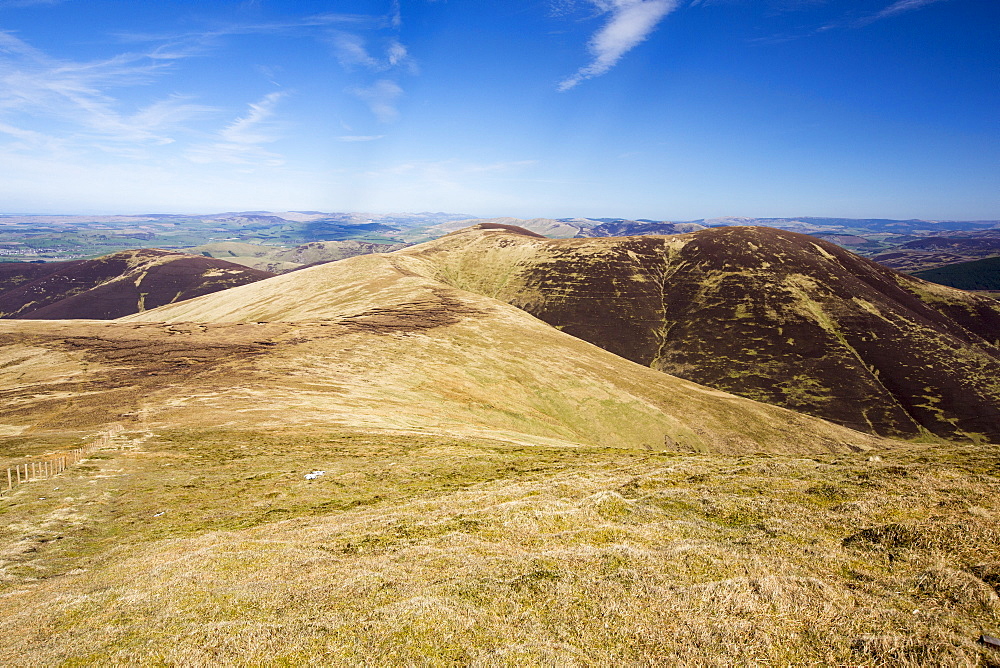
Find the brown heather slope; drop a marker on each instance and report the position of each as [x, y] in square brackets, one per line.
[114, 285]
[773, 315]
[369, 343]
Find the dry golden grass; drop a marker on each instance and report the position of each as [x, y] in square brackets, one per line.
[210, 548]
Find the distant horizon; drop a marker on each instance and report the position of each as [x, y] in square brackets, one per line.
[485, 217]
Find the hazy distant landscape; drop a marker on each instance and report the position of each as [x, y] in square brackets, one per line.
[282, 241]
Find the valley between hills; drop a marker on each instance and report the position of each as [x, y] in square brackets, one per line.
[723, 446]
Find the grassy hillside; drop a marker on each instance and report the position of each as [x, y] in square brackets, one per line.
[208, 547]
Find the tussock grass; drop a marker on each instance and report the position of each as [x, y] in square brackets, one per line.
[210, 548]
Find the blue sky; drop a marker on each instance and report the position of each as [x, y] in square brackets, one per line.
[662, 109]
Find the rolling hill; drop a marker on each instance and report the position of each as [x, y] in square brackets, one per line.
[369, 342]
[114, 285]
[279, 259]
[768, 314]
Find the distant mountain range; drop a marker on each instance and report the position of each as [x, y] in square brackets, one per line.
[283, 241]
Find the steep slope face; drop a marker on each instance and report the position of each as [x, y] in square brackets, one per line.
[116, 285]
[768, 314]
[13, 274]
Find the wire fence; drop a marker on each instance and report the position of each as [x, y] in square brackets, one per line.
[51, 465]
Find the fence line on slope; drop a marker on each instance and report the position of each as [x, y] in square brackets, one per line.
[52, 465]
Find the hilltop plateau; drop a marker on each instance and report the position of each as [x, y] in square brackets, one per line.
[773, 315]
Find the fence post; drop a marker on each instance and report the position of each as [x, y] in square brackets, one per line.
[48, 468]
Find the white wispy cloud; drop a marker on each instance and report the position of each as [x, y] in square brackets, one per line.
[176, 45]
[395, 15]
[902, 6]
[263, 28]
[630, 23]
[28, 139]
[396, 54]
[352, 51]
[242, 141]
[381, 98]
[253, 128]
[894, 9]
[76, 95]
